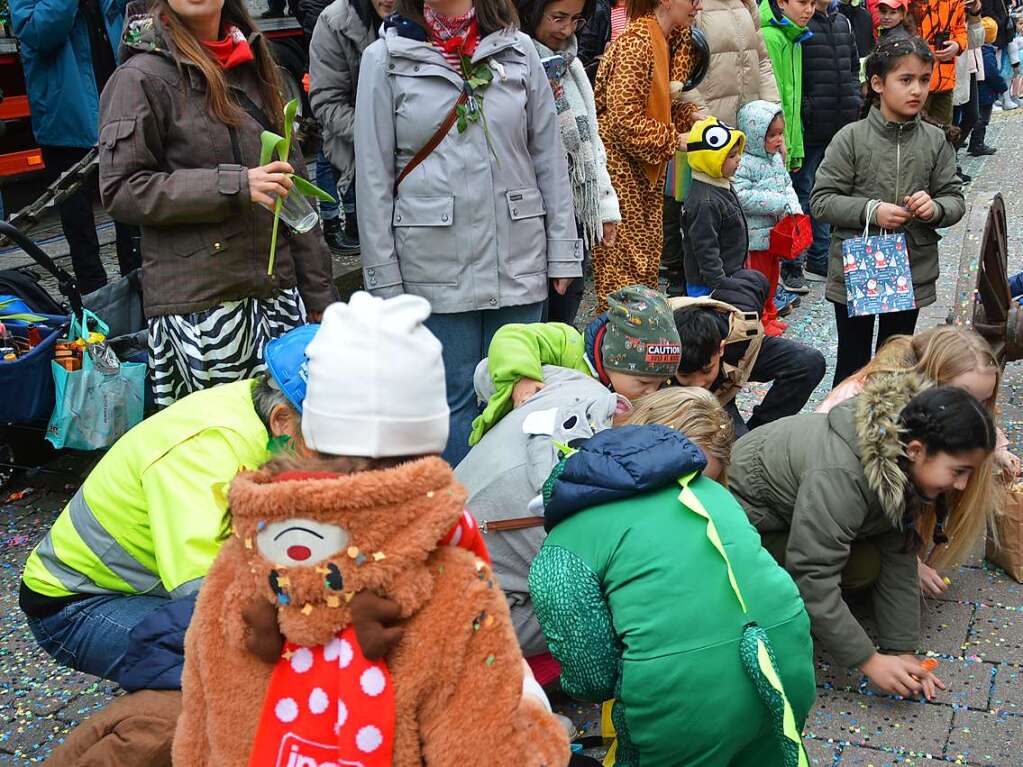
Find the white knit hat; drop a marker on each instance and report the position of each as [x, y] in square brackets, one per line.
[376, 380]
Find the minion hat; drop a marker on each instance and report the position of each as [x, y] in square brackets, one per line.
[710, 141]
[990, 29]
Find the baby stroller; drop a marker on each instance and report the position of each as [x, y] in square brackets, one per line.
[27, 383]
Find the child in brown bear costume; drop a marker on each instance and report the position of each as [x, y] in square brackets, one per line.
[355, 509]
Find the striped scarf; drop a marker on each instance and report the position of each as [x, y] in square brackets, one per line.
[454, 36]
[577, 134]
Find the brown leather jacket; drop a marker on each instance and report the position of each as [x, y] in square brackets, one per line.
[169, 166]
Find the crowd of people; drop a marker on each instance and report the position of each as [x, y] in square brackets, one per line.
[443, 482]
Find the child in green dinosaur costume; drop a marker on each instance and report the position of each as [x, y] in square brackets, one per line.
[666, 602]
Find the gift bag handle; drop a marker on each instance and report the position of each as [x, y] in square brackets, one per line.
[872, 207]
[80, 329]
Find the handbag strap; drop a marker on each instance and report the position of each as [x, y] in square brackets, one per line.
[434, 141]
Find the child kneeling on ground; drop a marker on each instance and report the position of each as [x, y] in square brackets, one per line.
[632, 349]
[848, 500]
[359, 504]
[667, 603]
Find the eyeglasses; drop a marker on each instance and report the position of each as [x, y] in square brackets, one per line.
[561, 20]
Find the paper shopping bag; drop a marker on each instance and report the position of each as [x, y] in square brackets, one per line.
[1007, 553]
[877, 275]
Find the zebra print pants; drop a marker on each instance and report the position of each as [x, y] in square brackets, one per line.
[190, 352]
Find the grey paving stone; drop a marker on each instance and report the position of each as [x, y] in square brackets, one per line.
[968, 682]
[854, 756]
[868, 720]
[944, 627]
[988, 585]
[820, 752]
[987, 739]
[1008, 690]
[997, 635]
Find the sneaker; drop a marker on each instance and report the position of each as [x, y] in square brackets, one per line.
[792, 281]
[963, 176]
[982, 151]
[1007, 103]
[785, 302]
[337, 240]
[812, 275]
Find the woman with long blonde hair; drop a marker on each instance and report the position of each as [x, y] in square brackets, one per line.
[180, 156]
[958, 357]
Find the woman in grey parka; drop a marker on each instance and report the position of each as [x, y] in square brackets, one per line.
[479, 224]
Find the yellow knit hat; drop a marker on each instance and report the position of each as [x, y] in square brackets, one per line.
[990, 29]
[710, 142]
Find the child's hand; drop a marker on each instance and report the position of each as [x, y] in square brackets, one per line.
[901, 675]
[524, 389]
[609, 233]
[931, 583]
[560, 284]
[921, 205]
[889, 216]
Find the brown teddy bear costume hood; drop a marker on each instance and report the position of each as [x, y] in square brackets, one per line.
[307, 543]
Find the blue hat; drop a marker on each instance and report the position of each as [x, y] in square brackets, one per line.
[287, 362]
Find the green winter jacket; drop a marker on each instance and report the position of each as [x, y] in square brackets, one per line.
[634, 597]
[784, 39]
[874, 159]
[831, 479]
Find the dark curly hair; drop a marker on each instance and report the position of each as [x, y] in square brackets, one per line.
[947, 419]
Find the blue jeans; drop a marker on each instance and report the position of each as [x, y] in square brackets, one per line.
[326, 179]
[91, 635]
[816, 256]
[466, 339]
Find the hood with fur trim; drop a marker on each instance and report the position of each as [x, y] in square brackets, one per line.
[879, 443]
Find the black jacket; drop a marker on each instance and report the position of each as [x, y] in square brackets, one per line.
[862, 25]
[831, 72]
[594, 37]
[716, 241]
[999, 11]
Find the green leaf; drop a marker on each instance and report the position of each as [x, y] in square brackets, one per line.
[463, 124]
[484, 73]
[290, 110]
[309, 189]
[22, 317]
[268, 143]
[477, 82]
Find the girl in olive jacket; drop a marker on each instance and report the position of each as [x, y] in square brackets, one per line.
[849, 499]
[894, 158]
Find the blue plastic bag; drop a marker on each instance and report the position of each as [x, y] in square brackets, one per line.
[94, 406]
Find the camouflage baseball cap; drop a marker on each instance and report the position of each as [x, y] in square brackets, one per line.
[641, 338]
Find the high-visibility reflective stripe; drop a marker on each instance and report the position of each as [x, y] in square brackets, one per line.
[107, 550]
[70, 579]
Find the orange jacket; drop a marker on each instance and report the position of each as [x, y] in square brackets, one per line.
[934, 17]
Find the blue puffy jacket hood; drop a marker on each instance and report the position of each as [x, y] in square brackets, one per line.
[616, 464]
[754, 119]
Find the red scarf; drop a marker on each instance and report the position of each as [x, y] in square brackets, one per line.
[456, 36]
[232, 50]
[327, 705]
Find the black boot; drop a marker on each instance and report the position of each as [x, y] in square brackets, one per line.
[337, 240]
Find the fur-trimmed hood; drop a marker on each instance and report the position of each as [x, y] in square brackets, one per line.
[878, 444]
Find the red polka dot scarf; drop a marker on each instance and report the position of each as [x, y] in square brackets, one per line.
[326, 707]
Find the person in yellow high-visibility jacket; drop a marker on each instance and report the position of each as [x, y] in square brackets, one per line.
[145, 526]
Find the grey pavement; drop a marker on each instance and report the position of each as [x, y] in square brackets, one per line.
[976, 630]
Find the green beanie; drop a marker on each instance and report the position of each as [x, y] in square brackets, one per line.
[641, 338]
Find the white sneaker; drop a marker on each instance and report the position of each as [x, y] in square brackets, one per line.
[1007, 103]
